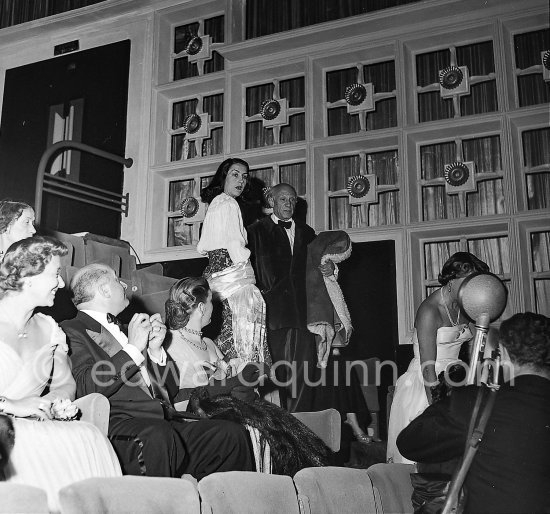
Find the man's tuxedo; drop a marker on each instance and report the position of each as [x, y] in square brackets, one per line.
[281, 277]
[101, 366]
[280, 272]
[168, 448]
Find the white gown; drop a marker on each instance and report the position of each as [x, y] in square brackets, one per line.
[410, 398]
[50, 454]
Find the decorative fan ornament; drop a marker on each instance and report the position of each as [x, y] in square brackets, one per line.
[457, 173]
[358, 186]
[194, 46]
[355, 94]
[189, 207]
[546, 59]
[270, 109]
[451, 77]
[192, 123]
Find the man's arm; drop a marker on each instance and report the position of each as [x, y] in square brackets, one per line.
[97, 376]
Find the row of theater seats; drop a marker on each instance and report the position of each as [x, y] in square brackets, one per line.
[147, 287]
[381, 489]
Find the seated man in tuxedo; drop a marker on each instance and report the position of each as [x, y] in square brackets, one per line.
[132, 372]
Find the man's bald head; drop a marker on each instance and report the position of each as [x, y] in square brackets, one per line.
[282, 198]
[86, 281]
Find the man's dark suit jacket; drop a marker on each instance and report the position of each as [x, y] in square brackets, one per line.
[511, 470]
[281, 274]
[94, 352]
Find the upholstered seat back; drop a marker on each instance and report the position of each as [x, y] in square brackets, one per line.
[131, 495]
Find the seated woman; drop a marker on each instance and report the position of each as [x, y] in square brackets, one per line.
[36, 379]
[206, 390]
[16, 223]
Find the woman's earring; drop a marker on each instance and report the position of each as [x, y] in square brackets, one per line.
[450, 286]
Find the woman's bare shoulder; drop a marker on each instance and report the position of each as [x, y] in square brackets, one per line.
[428, 311]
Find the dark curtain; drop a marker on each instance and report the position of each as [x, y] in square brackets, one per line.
[536, 160]
[479, 60]
[382, 77]
[386, 211]
[265, 17]
[256, 135]
[213, 27]
[187, 149]
[532, 88]
[14, 12]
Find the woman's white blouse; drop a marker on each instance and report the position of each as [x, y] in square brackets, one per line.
[223, 228]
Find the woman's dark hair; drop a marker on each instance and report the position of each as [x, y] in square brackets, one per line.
[526, 336]
[11, 210]
[27, 258]
[460, 265]
[183, 298]
[217, 184]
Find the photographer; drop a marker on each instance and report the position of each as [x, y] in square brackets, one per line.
[511, 471]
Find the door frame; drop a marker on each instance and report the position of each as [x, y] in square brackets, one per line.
[93, 27]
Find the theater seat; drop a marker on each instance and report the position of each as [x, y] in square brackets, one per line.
[95, 409]
[392, 487]
[130, 495]
[247, 492]
[327, 424]
[19, 499]
[334, 490]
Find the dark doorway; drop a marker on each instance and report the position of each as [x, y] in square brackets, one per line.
[367, 279]
[94, 84]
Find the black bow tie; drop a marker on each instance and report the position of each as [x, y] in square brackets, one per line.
[111, 318]
[285, 224]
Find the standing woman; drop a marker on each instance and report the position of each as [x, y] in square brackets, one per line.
[223, 239]
[16, 223]
[440, 330]
[36, 379]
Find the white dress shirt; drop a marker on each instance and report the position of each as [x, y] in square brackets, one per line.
[290, 232]
[130, 349]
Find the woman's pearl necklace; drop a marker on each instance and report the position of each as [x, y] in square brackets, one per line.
[192, 343]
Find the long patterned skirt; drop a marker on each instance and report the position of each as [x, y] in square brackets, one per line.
[243, 332]
[219, 260]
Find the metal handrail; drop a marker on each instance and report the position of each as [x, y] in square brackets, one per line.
[59, 147]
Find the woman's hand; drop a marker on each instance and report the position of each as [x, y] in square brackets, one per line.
[31, 406]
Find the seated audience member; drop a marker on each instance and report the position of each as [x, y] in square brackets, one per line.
[130, 370]
[16, 223]
[213, 393]
[511, 470]
[36, 383]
